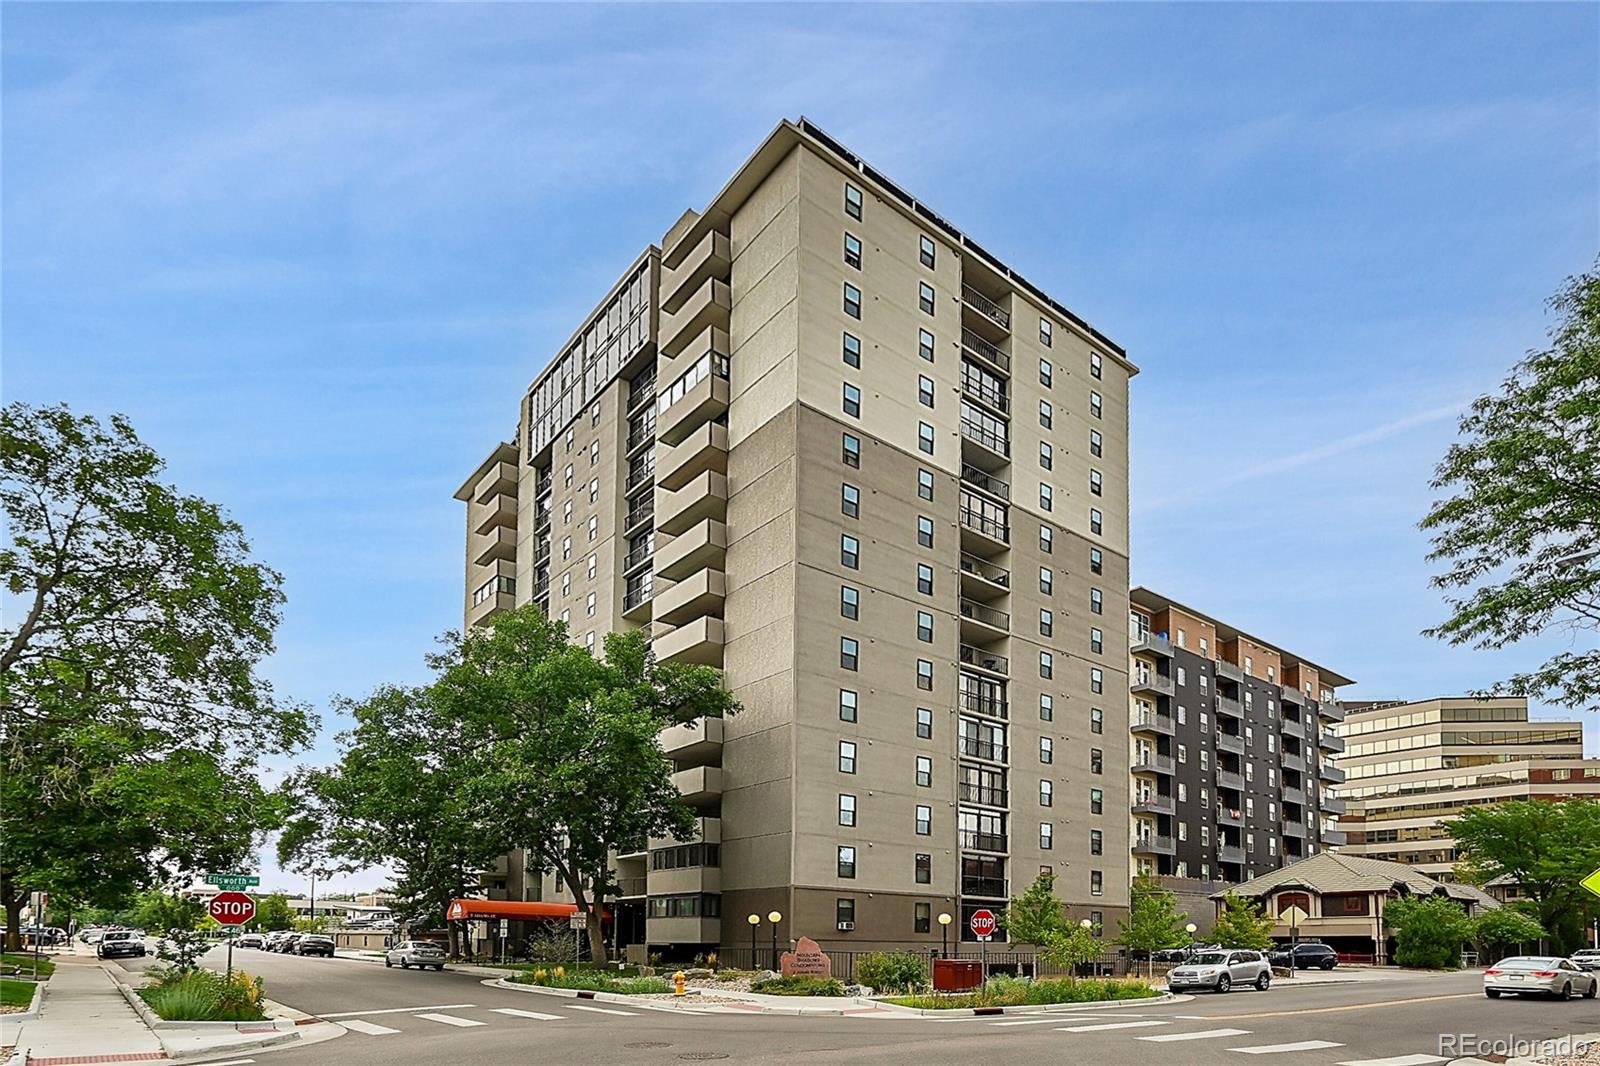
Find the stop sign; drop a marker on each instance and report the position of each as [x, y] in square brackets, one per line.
[231, 908]
[983, 923]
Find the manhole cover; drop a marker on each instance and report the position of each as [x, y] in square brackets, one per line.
[648, 1043]
[702, 1056]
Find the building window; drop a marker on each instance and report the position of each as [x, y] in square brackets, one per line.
[849, 602]
[925, 297]
[852, 201]
[852, 451]
[1046, 580]
[566, 513]
[594, 453]
[850, 551]
[925, 579]
[1047, 751]
[922, 917]
[1046, 373]
[1047, 794]
[1096, 483]
[1096, 561]
[849, 703]
[566, 548]
[924, 772]
[852, 350]
[594, 527]
[852, 251]
[1097, 720]
[849, 501]
[844, 913]
[1046, 332]
[924, 723]
[849, 653]
[1096, 444]
[1095, 404]
[1046, 836]
[925, 437]
[1097, 641]
[594, 565]
[1097, 842]
[1097, 603]
[924, 868]
[924, 821]
[1095, 365]
[594, 489]
[924, 674]
[1047, 707]
[1097, 680]
[847, 807]
[1047, 539]
[1046, 497]
[925, 251]
[924, 531]
[1097, 761]
[852, 300]
[924, 390]
[847, 861]
[1097, 522]
[1046, 416]
[847, 764]
[925, 344]
[1046, 665]
[1046, 455]
[852, 400]
[588, 605]
[925, 484]
[1097, 883]
[1047, 622]
[1097, 801]
[925, 627]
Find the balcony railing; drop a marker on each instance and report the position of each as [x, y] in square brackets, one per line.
[630, 886]
[985, 393]
[641, 512]
[999, 575]
[985, 436]
[986, 307]
[982, 749]
[984, 660]
[994, 528]
[973, 840]
[1230, 742]
[977, 703]
[1229, 779]
[1149, 762]
[986, 481]
[641, 472]
[971, 341]
[987, 887]
[1153, 722]
[1153, 803]
[1229, 706]
[636, 596]
[989, 616]
[1229, 815]
[1154, 843]
[984, 794]
[640, 434]
[637, 557]
[1230, 853]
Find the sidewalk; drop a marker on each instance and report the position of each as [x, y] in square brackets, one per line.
[83, 1015]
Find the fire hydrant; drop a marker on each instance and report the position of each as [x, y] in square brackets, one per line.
[677, 983]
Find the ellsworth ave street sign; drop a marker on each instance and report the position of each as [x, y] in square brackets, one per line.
[233, 880]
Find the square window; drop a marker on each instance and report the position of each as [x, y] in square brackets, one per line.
[925, 579]
[924, 531]
[925, 437]
[924, 772]
[1095, 404]
[852, 201]
[925, 675]
[852, 251]
[1046, 665]
[1046, 455]
[1047, 332]
[925, 297]
[852, 400]
[1046, 414]
[849, 602]
[1047, 707]
[1047, 752]
[852, 450]
[847, 763]
[1046, 373]
[924, 390]
[847, 805]
[850, 552]
[849, 653]
[849, 705]
[924, 868]
[924, 723]
[1097, 522]
[1095, 365]
[1047, 539]
[1047, 794]
[925, 484]
[1046, 836]
[1096, 483]
[924, 821]
[925, 251]
[849, 500]
[1096, 444]
[1047, 622]
[852, 300]
[852, 350]
[847, 861]
[1097, 720]
[925, 627]
[925, 344]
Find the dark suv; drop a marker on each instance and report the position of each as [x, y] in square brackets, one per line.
[1306, 957]
[314, 945]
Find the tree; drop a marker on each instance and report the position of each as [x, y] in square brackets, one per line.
[1519, 531]
[273, 912]
[1071, 946]
[1546, 848]
[1037, 916]
[1154, 922]
[569, 767]
[131, 712]
[177, 922]
[1503, 930]
[1242, 925]
[398, 796]
[1428, 931]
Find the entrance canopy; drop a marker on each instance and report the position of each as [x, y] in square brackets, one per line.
[500, 908]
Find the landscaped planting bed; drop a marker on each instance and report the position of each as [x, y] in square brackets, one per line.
[593, 981]
[1019, 992]
[204, 996]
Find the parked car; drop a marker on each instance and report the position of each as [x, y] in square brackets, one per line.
[250, 940]
[1306, 957]
[313, 944]
[1222, 970]
[286, 945]
[120, 942]
[1544, 975]
[1170, 955]
[409, 953]
[1586, 958]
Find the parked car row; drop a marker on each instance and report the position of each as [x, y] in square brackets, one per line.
[287, 943]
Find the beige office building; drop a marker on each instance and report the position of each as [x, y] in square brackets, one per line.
[1414, 766]
[821, 440]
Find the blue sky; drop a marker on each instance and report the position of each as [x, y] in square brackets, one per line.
[315, 252]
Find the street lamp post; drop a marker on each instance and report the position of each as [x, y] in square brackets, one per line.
[754, 920]
[944, 935]
[774, 917]
[1087, 924]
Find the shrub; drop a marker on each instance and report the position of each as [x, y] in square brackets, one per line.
[800, 985]
[594, 981]
[1001, 991]
[204, 996]
[893, 971]
[1428, 932]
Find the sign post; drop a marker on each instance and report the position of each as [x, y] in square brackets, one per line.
[983, 925]
[578, 921]
[231, 909]
[1295, 916]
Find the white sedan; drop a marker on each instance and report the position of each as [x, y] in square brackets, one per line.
[1543, 975]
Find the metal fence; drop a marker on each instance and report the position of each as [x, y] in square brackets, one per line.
[1016, 963]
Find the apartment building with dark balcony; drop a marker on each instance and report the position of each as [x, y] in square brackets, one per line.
[820, 439]
[1233, 748]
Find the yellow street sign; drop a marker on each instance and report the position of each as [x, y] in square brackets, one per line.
[1592, 882]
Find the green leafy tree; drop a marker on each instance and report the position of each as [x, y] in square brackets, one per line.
[1075, 944]
[1037, 916]
[1517, 531]
[131, 712]
[1428, 931]
[179, 923]
[273, 912]
[571, 768]
[1242, 925]
[1154, 922]
[1504, 930]
[1546, 848]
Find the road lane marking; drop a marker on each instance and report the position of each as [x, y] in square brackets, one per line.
[535, 1015]
[1346, 1007]
[1204, 1034]
[451, 1019]
[1274, 1049]
[674, 1010]
[369, 1028]
[1107, 1025]
[394, 1010]
[231, 1062]
[1034, 1021]
[1398, 1060]
[606, 1010]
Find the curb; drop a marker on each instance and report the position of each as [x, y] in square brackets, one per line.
[155, 1023]
[561, 993]
[33, 1008]
[1035, 1008]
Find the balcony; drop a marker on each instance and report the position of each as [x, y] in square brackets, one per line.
[711, 258]
[636, 602]
[1332, 710]
[642, 512]
[704, 449]
[1334, 805]
[1228, 671]
[703, 497]
[1154, 844]
[989, 661]
[987, 887]
[973, 840]
[1331, 773]
[500, 511]
[684, 930]
[696, 596]
[1294, 795]
[974, 344]
[499, 480]
[707, 307]
[1154, 803]
[979, 478]
[1293, 827]
[987, 309]
[1231, 853]
[707, 400]
[1330, 742]
[1291, 760]
[686, 880]
[500, 544]
[994, 448]
[1152, 722]
[1229, 779]
[1152, 644]
[976, 702]
[983, 795]
[992, 533]
[707, 830]
[699, 640]
[974, 748]
[630, 887]
[638, 557]
[496, 602]
[640, 471]
[980, 577]
[1151, 763]
[1152, 682]
[1229, 815]
[697, 742]
[1229, 706]
[1294, 696]
[982, 392]
[987, 621]
[700, 547]
[1334, 837]
[1230, 742]
[701, 785]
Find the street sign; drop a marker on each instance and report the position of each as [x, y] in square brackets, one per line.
[234, 881]
[983, 924]
[231, 908]
[1592, 882]
[578, 920]
[1294, 916]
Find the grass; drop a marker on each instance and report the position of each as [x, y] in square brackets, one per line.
[591, 981]
[800, 985]
[582, 967]
[1017, 992]
[13, 960]
[204, 996]
[17, 994]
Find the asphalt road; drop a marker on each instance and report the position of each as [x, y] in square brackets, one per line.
[449, 1018]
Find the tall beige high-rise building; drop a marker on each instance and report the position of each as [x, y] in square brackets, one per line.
[822, 440]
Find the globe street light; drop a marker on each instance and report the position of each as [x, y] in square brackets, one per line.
[774, 917]
[754, 920]
[944, 935]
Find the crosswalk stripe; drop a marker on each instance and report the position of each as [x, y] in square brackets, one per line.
[1398, 1060]
[393, 1010]
[606, 1010]
[1273, 1049]
[451, 1019]
[1030, 1021]
[1107, 1025]
[535, 1015]
[367, 1027]
[671, 1010]
[1204, 1034]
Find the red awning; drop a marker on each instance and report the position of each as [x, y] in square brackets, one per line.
[497, 908]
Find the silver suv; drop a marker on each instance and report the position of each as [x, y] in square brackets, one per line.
[409, 953]
[1222, 969]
